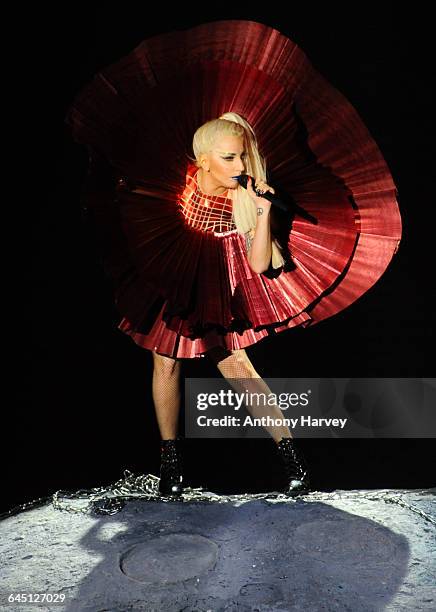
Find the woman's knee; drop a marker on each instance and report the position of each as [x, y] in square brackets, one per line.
[165, 366]
[237, 365]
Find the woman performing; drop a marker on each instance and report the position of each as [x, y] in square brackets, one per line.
[200, 264]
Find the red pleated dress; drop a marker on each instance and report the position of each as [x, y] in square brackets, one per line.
[179, 267]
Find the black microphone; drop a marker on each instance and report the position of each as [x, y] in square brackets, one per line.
[271, 197]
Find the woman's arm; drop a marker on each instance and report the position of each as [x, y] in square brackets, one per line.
[259, 244]
[258, 241]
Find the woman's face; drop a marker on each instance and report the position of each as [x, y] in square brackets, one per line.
[225, 161]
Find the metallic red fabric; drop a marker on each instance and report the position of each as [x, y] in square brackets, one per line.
[204, 212]
[183, 288]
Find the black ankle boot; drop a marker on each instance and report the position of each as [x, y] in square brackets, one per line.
[171, 468]
[295, 467]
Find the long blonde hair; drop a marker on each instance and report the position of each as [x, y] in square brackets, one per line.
[244, 209]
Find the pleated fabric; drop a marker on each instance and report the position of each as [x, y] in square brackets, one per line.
[182, 289]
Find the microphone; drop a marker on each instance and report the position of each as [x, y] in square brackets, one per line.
[271, 197]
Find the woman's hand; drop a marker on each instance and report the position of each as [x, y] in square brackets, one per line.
[258, 200]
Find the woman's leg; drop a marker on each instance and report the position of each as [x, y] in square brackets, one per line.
[166, 397]
[166, 394]
[237, 365]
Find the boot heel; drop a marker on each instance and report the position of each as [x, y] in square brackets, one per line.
[171, 468]
[296, 469]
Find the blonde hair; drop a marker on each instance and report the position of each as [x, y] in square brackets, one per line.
[244, 209]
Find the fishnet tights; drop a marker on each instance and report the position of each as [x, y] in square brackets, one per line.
[166, 394]
[235, 366]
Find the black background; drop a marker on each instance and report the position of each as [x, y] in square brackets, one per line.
[84, 409]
